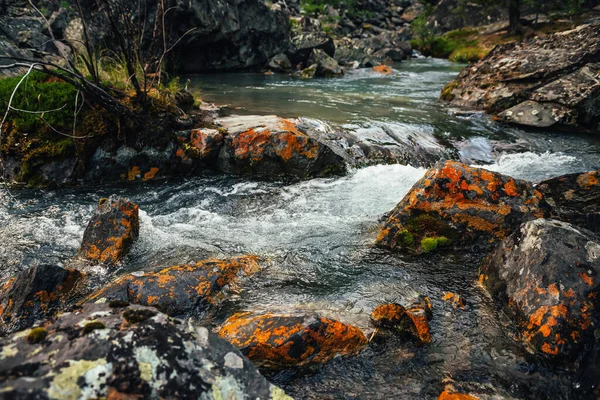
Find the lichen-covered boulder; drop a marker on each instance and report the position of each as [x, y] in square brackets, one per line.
[126, 353]
[36, 294]
[282, 341]
[199, 144]
[111, 232]
[546, 277]
[541, 81]
[575, 198]
[179, 290]
[412, 321]
[457, 205]
[270, 146]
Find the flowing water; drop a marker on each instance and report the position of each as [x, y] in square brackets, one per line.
[318, 235]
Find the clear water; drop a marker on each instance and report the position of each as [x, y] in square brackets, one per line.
[318, 235]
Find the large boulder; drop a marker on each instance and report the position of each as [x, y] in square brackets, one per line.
[111, 232]
[270, 146]
[180, 290]
[575, 198]
[36, 294]
[326, 66]
[544, 81]
[283, 341]
[306, 37]
[546, 276]
[454, 204]
[126, 353]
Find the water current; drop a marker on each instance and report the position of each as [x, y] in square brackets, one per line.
[318, 235]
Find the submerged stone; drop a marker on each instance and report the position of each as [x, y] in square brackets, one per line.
[154, 358]
[412, 321]
[546, 277]
[282, 341]
[457, 205]
[111, 232]
[179, 290]
[36, 293]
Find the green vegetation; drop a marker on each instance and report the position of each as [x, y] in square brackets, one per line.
[447, 91]
[352, 7]
[430, 244]
[37, 335]
[92, 326]
[405, 238]
[460, 45]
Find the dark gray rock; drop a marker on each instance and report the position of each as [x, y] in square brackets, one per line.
[546, 277]
[307, 37]
[280, 63]
[35, 294]
[549, 80]
[575, 198]
[326, 66]
[132, 352]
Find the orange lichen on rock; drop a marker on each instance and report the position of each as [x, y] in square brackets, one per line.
[455, 299]
[111, 231]
[180, 289]
[388, 315]
[447, 395]
[469, 204]
[589, 179]
[383, 69]
[150, 174]
[133, 173]
[280, 341]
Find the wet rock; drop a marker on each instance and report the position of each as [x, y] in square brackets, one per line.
[309, 36]
[456, 205]
[412, 321]
[280, 63]
[200, 144]
[121, 358]
[309, 72]
[111, 232]
[546, 277]
[281, 341]
[326, 66]
[269, 146]
[383, 69]
[180, 290]
[544, 81]
[454, 299]
[36, 294]
[575, 198]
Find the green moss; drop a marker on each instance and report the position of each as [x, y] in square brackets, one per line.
[37, 335]
[468, 54]
[405, 238]
[92, 326]
[447, 91]
[459, 46]
[136, 316]
[429, 244]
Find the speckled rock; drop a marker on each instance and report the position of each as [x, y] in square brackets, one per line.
[544, 81]
[456, 205]
[412, 321]
[575, 198]
[126, 353]
[36, 294]
[111, 232]
[199, 144]
[271, 146]
[179, 290]
[546, 277]
[282, 341]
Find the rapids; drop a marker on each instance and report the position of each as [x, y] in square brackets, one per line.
[318, 235]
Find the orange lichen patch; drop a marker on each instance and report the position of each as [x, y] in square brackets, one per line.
[446, 395]
[286, 341]
[133, 173]
[295, 144]
[383, 69]
[455, 299]
[387, 315]
[251, 144]
[587, 180]
[586, 278]
[150, 174]
[550, 349]
[420, 322]
[289, 126]
[511, 189]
